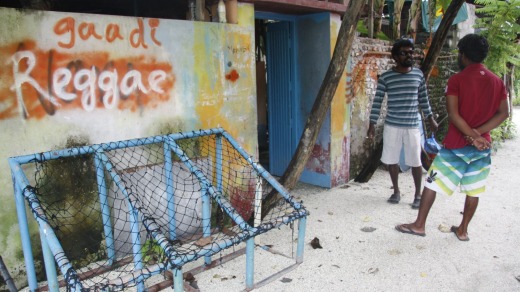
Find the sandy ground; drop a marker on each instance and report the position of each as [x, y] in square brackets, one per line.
[362, 251]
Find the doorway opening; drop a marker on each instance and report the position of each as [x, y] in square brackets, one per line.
[275, 92]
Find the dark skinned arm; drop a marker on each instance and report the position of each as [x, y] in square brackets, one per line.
[501, 115]
[473, 136]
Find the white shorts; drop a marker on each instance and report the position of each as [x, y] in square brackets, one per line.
[394, 139]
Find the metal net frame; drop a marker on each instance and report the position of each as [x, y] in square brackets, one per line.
[113, 215]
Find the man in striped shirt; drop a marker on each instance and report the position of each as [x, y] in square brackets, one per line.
[405, 88]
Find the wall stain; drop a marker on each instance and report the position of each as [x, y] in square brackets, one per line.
[232, 76]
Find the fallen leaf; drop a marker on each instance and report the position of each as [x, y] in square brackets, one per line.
[330, 213]
[423, 275]
[394, 252]
[188, 277]
[194, 285]
[315, 243]
[368, 229]
[445, 228]
[228, 232]
[373, 271]
[336, 266]
[286, 280]
[203, 241]
[367, 219]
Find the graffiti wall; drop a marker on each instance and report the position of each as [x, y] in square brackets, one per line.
[93, 78]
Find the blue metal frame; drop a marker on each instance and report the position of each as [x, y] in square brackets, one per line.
[53, 252]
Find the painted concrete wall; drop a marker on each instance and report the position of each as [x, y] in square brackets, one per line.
[340, 119]
[369, 58]
[313, 60]
[108, 78]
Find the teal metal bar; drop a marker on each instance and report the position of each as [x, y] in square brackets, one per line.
[134, 220]
[206, 217]
[250, 263]
[175, 262]
[219, 162]
[302, 223]
[105, 208]
[178, 282]
[47, 232]
[281, 190]
[50, 265]
[217, 196]
[24, 230]
[170, 193]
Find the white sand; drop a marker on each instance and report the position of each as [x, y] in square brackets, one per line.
[386, 260]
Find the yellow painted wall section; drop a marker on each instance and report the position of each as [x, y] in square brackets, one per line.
[226, 89]
[340, 119]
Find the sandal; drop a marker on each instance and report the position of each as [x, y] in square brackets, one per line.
[416, 203]
[394, 199]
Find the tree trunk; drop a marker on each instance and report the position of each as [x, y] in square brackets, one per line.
[440, 37]
[413, 17]
[7, 278]
[379, 6]
[509, 82]
[370, 19]
[396, 24]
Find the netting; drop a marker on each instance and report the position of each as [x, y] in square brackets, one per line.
[125, 211]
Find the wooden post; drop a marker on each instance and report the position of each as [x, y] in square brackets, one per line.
[371, 19]
[7, 277]
[440, 37]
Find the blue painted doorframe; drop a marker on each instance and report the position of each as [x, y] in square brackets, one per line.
[298, 54]
[281, 90]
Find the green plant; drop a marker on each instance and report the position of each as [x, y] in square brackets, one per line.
[505, 131]
[363, 31]
[152, 252]
[500, 25]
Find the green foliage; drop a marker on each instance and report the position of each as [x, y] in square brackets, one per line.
[363, 31]
[505, 131]
[516, 101]
[152, 252]
[500, 25]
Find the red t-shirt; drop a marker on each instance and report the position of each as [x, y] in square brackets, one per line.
[480, 93]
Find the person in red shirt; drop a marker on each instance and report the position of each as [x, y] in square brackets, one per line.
[476, 102]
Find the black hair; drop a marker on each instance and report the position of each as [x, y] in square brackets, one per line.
[475, 47]
[402, 43]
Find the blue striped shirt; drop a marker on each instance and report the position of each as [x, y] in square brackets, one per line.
[405, 92]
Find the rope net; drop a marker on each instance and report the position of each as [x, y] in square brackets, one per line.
[123, 212]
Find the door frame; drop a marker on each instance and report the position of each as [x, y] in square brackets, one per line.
[294, 138]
